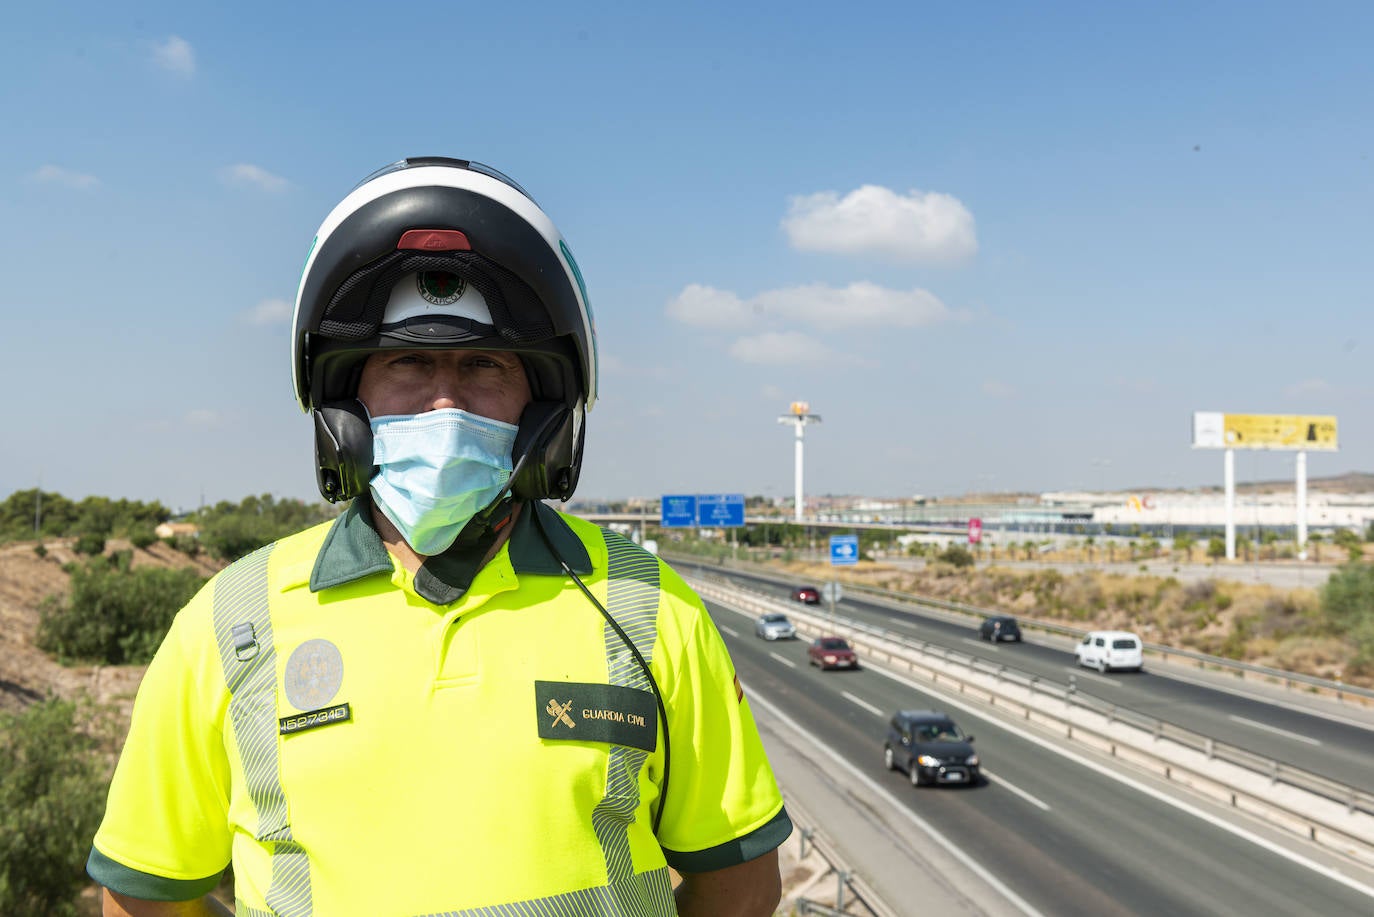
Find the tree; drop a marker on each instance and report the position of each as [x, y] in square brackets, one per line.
[1347, 600]
[1183, 543]
[52, 793]
[958, 555]
[1349, 539]
[114, 614]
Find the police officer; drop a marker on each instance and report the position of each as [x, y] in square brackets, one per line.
[452, 699]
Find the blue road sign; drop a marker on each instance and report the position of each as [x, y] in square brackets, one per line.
[844, 550]
[720, 510]
[677, 510]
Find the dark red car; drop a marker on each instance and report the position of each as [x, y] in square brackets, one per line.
[832, 653]
[808, 594]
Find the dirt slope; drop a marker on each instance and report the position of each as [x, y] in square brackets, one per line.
[27, 673]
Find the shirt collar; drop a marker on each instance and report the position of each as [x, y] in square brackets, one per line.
[353, 549]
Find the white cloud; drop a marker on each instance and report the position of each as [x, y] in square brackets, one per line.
[244, 175]
[1307, 387]
[176, 55]
[859, 304]
[926, 227]
[202, 417]
[269, 312]
[779, 348]
[706, 307]
[56, 175]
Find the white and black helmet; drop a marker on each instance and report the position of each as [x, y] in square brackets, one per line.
[443, 253]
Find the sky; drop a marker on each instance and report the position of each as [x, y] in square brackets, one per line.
[995, 247]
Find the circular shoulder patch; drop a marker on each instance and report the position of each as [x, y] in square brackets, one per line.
[314, 674]
[440, 288]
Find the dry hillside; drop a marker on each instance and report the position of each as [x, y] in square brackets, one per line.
[26, 579]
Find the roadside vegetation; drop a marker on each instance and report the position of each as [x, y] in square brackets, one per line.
[110, 602]
[54, 773]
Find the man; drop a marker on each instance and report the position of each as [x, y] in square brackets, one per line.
[452, 699]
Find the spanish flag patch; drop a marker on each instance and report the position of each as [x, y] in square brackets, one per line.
[739, 691]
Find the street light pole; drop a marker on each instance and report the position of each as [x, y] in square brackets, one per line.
[799, 417]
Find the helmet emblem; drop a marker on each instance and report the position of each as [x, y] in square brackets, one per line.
[440, 288]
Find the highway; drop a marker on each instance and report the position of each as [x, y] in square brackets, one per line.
[1062, 833]
[1334, 746]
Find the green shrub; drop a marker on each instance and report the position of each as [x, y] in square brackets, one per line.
[40, 550]
[957, 555]
[90, 543]
[185, 544]
[114, 615]
[1347, 602]
[142, 537]
[52, 793]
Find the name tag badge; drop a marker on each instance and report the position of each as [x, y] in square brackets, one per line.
[574, 711]
[313, 719]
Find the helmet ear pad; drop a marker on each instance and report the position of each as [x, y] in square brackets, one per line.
[547, 451]
[343, 449]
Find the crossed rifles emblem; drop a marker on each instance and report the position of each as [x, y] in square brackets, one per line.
[559, 712]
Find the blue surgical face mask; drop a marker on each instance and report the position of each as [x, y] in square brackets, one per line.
[437, 470]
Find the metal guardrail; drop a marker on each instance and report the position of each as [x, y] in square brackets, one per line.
[851, 889]
[1353, 799]
[1241, 669]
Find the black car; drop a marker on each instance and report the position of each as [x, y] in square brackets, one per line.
[930, 748]
[1000, 627]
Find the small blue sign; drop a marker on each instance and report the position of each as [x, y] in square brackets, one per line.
[844, 550]
[677, 511]
[720, 510]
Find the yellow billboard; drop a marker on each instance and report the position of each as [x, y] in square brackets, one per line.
[1280, 431]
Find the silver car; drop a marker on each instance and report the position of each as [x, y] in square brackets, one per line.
[775, 626]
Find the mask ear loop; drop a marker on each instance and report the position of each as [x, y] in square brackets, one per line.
[624, 638]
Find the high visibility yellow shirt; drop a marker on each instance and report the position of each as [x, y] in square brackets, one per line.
[360, 741]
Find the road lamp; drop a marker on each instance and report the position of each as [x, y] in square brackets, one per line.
[799, 417]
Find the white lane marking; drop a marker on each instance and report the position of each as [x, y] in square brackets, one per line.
[729, 630]
[1016, 789]
[1274, 729]
[981, 644]
[1136, 785]
[1098, 677]
[783, 659]
[863, 703]
[900, 808]
[1260, 698]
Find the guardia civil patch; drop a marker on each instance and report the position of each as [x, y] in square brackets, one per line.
[440, 288]
[314, 674]
[573, 711]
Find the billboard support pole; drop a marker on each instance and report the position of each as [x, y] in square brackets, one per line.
[1229, 475]
[1300, 472]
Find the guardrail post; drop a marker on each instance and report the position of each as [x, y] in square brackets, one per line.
[843, 879]
[806, 836]
[1273, 772]
[1211, 748]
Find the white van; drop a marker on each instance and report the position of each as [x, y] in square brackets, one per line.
[1105, 650]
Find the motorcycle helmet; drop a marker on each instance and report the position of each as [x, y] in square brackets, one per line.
[437, 253]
